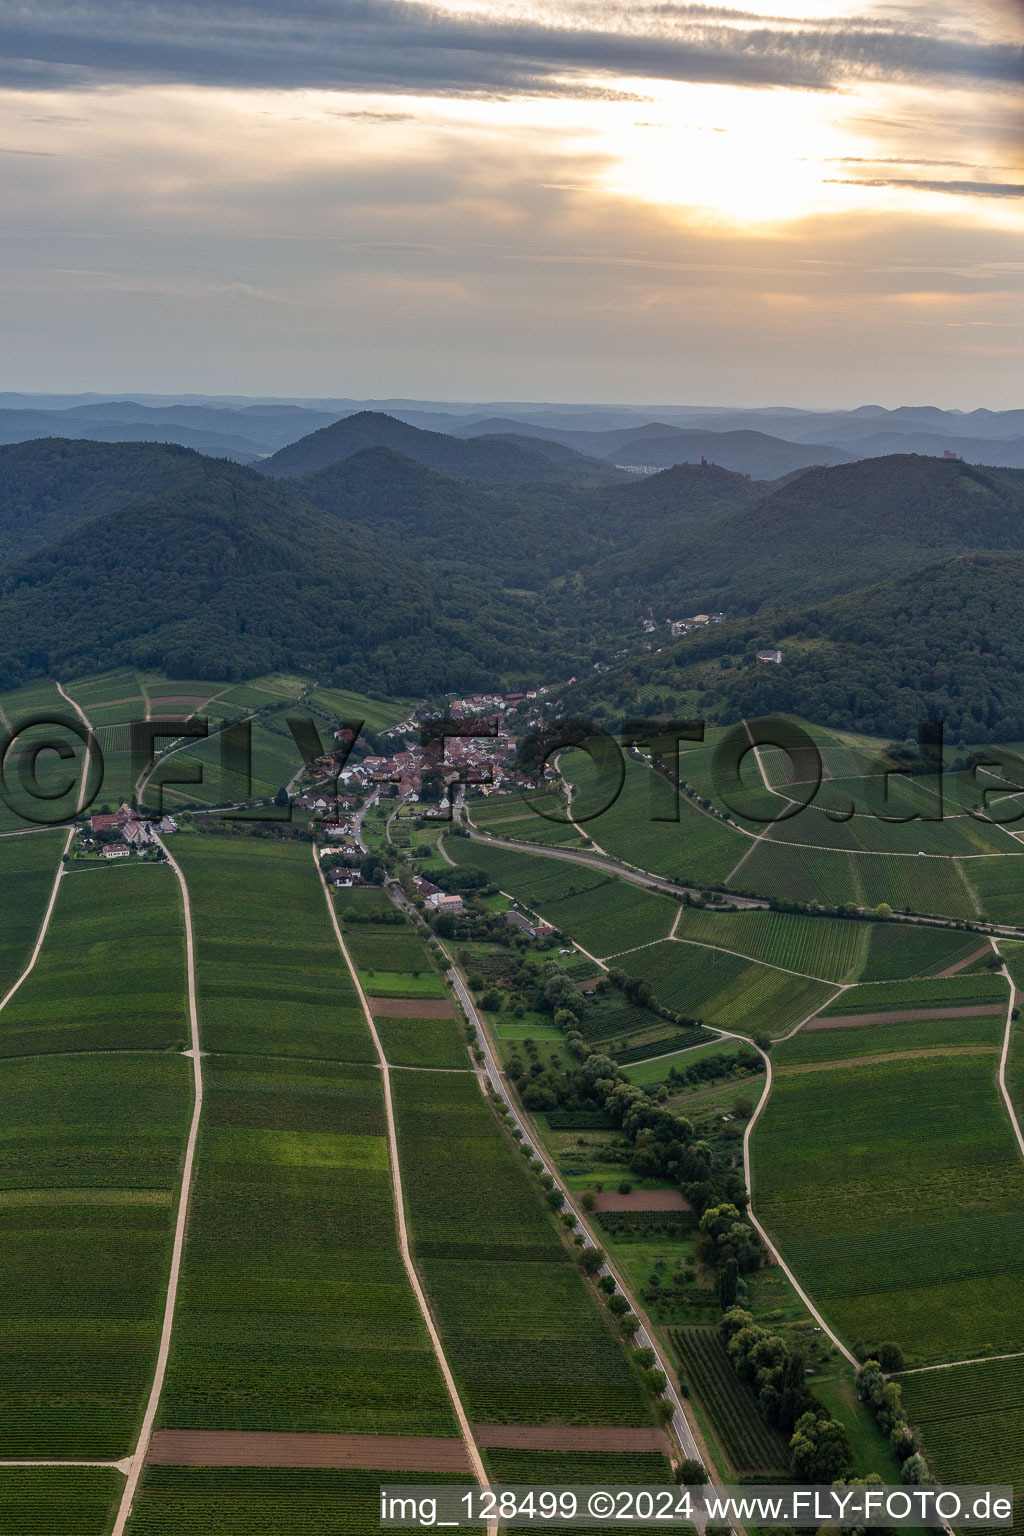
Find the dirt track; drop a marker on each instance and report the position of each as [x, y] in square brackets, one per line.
[641, 1200]
[570, 1437]
[901, 1016]
[240, 1448]
[411, 1008]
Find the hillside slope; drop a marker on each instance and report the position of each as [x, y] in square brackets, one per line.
[234, 575]
[501, 458]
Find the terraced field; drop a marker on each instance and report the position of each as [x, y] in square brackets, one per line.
[921, 1238]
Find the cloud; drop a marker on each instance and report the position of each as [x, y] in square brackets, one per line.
[956, 188]
[390, 45]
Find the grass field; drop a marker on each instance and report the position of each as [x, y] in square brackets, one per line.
[896, 1192]
[295, 1312]
[111, 975]
[526, 1342]
[723, 989]
[89, 1165]
[270, 976]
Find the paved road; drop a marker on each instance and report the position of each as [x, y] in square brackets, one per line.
[680, 1424]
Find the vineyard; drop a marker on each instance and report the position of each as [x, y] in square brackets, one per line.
[724, 989]
[829, 947]
[751, 1444]
[971, 1421]
[933, 1258]
[526, 1342]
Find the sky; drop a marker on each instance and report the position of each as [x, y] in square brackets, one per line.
[803, 204]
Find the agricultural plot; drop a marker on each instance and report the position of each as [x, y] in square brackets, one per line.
[833, 948]
[27, 868]
[697, 848]
[846, 1044]
[723, 989]
[270, 976]
[971, 1422]
[524, 1338]
[1000, 887]
[295, 1312]
[906, 949]
[342, 704]
[974, 989]
[921, 1237]
[273, 1501]
[88, 1176]
[211, 774]
[798, 874]
[386, 948]
[424, 1043]
[602, 913]
[54, 1501]
[101, 982]
[751, 1445]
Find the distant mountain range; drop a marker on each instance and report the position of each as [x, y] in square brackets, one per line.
[763, 443]
[378, 555]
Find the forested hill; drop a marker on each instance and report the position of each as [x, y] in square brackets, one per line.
[485, 458]
[236, 575]
[826, 532]
[941, 643]
[50, 485]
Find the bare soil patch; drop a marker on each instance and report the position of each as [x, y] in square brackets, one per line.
[961, 965]
[570, 1437]
[900, 1016]
[240, 1448]
[641, 1200]
[411, 1008]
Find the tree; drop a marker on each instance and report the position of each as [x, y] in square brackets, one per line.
[618, 1306]
[281, 798]
[820, 1449]
[590, 1260]
[889, 1357]
[728, 1282]
[691, 1473]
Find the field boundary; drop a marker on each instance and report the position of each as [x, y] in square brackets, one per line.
[195, 1054]
[396, 1180]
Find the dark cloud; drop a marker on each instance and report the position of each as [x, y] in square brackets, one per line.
[390, 45]
[957, 188]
